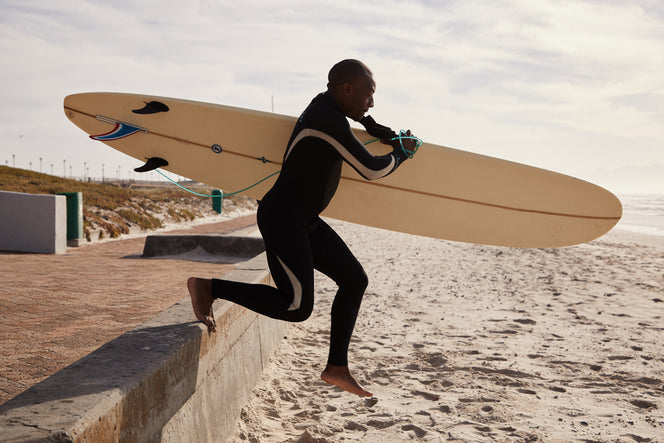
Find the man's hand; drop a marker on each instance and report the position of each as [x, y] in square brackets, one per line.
[407, 142]
[405, 145]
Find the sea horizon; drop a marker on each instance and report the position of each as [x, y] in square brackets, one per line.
[642, 213]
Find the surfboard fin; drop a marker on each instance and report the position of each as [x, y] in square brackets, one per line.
[153, 107]
[152, 164]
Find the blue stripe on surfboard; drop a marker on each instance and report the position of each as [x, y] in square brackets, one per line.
[121, 130]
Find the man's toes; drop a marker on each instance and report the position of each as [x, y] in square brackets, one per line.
[212, 325]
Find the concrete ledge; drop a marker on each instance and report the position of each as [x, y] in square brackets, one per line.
[33, 223]
[221, 245]
[165, 380]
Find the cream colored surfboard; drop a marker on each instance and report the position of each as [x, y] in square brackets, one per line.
[442, 192]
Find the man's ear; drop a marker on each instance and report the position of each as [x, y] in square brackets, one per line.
[348, 89]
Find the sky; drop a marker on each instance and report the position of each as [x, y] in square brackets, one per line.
[574, 86]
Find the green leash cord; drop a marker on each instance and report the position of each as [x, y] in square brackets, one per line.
[220, 195]
[402, 135]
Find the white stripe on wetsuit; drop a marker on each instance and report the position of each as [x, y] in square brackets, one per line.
[370, 174]
[297, 287]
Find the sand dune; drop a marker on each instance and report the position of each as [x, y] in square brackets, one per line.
[463, 342]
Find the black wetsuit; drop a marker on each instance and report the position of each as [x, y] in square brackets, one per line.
[297, 240]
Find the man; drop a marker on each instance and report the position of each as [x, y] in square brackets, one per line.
[297, 240]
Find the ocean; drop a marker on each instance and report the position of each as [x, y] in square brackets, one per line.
[643, 213]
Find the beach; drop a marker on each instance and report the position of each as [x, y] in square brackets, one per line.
[457, 342]
[462, 342]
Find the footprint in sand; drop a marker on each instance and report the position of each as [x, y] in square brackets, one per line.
[435, 359]
[354, 426]
[644, 404]
[419, 432]
[427, 395]
[288, 396]
[527, 391]
[525, 321]
[380, 424]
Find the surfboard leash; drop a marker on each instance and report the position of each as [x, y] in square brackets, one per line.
[402, 136]
[218, 195]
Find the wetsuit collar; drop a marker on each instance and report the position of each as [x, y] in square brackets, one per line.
[328, 96]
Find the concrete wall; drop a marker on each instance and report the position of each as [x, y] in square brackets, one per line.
[33, 222]
[230, 247]
[166, 380]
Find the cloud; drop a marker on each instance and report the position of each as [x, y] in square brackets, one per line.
[554, 83]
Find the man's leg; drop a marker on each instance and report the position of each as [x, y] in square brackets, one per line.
[291, 265]
[333, 258]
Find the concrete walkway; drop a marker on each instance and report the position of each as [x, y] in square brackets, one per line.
[55, 309]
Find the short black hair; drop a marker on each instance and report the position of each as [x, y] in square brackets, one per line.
[346, 71]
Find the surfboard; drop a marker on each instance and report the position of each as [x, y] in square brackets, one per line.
[441, 193]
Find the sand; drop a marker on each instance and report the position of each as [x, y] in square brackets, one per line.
[464, 342]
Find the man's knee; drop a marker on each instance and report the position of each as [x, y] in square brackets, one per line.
[357, 282]
[300, 314]
[362, 281]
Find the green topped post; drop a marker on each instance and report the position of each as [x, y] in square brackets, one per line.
[217, 201]
[74, 215]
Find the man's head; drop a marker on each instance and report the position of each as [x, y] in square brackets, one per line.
[351, 84]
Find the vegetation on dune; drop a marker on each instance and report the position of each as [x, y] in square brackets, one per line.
[111, 209]
[100, 195]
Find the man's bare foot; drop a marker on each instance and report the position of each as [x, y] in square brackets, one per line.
[200, 291]
[340, 376]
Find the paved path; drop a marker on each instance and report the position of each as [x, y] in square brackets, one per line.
[55, 309]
